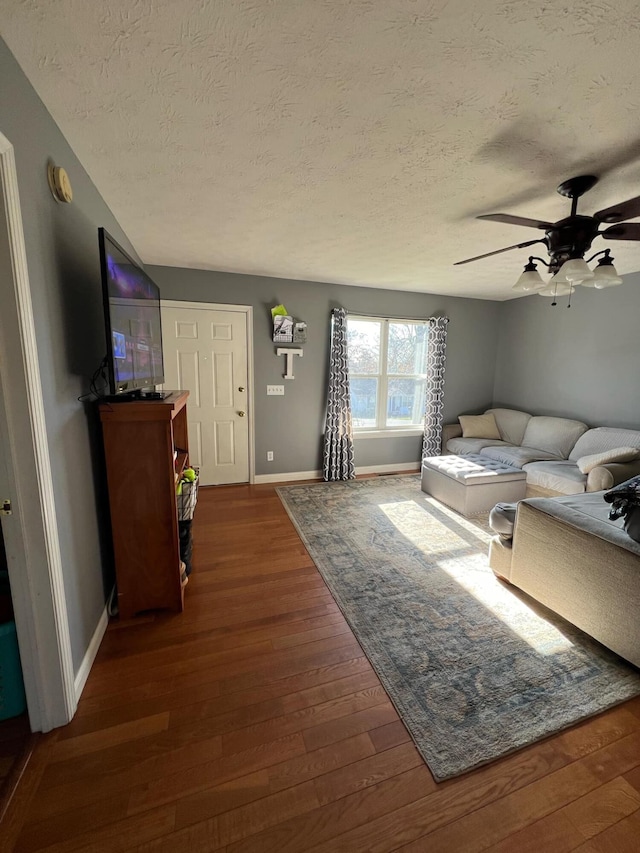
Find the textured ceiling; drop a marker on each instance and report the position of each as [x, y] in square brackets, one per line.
[341, 141]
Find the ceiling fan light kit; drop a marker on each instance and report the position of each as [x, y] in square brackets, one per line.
[605, 274]
[557, 289]
[559, 277]
[568, 240]
[530, 280]
[576, 270]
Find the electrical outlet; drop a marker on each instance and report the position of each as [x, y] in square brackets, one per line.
[269, 455]
[275, 390]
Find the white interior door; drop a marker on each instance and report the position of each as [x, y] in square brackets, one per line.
[31, 532]
[206, 353]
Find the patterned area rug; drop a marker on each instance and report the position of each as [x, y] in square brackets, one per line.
[474, 668]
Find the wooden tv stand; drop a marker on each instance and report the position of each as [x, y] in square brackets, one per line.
[140, 438]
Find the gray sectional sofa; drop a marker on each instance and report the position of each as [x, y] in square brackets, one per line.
[559, 455]
[566, 553]
[559, 545]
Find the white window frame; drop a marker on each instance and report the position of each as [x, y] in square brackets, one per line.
[383, 378]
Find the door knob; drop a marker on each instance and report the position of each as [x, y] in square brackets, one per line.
[241, 388]
[241, 414]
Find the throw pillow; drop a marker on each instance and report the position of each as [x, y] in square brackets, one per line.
[618, 454]
[479, 426]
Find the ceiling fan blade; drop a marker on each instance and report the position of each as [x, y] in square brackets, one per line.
[624, 231]
[617, 212]
[515, 220]
[498, 252]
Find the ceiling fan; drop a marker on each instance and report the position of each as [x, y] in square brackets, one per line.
[571, 238]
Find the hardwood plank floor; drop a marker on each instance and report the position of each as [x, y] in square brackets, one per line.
[16, 746]
[253, 722]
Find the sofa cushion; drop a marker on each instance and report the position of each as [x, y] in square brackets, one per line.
[473, 470]
[618, 454]
[556, 436]
[559, 476]
[511, 424]
[590, 513]
[604, 438]
[465, 446]
[516, 456]
[502, 519]
[479, 426]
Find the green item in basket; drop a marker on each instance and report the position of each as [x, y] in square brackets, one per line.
[189, 475]
[179, 489]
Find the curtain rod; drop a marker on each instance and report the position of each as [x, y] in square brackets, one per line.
[387, 317]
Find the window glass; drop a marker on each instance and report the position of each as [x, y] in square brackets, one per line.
[405, 402]
[387, 372]
[364, 401]
[363, 341]
[407, 353]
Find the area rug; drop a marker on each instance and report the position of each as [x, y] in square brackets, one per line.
[475, 669]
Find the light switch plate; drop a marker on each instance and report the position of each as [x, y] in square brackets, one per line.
[275, 390]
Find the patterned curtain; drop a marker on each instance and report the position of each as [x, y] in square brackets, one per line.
[436, 357]
[338, 431]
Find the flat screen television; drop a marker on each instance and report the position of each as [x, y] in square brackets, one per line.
[132, 321]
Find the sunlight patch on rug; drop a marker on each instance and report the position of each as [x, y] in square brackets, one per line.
[534, 629]
[475, 668]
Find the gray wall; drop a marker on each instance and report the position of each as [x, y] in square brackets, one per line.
[583, 362]
[62, 253]
[291, 426]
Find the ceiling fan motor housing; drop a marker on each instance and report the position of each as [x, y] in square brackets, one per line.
[576, 187]
[570, 238]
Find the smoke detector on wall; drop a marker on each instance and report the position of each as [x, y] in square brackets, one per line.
[59, 183]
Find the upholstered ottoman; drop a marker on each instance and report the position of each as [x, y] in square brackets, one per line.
[473, 483]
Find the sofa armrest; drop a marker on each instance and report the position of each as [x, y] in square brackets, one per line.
[450, 431]
[608, 476]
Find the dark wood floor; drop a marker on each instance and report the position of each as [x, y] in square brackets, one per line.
[15, 740]
[253, 722]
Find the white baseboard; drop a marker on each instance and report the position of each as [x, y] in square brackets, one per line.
[287, 478]
[394, 468]
[317, 475]
[90, 655]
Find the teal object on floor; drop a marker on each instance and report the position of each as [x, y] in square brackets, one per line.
[12, 698]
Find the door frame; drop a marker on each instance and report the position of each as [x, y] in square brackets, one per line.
[31, 532]
[247, 310]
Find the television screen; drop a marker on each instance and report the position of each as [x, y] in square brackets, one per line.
[132, 317]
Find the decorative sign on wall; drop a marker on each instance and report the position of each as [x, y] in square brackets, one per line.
[289, 355]
[286, 329]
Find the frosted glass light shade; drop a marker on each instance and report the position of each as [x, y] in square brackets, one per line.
[605, 276]
[576, 271]
[560, 288]
[530, 280]
[559, 277]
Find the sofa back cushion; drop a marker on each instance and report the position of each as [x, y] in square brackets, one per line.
[555, 435]
[511, 424]
[601, 439]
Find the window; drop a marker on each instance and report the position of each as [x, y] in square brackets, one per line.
[387, 373]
